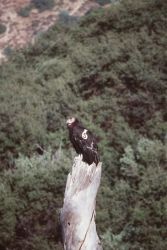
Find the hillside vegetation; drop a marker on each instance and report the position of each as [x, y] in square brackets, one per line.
[108, 69]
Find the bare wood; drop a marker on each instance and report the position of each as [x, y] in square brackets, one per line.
[78, 213]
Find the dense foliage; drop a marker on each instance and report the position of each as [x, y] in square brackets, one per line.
[25, 11]
[29, 201]
[42, 5]
[109, 69]
[103, 2]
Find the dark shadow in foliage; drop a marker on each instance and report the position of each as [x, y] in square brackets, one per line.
[66, 19]
[25, 11]
[2, 28]
[43, 5]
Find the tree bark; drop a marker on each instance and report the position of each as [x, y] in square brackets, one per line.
[77, 216]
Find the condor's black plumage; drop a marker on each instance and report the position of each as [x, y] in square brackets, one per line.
[83, 141]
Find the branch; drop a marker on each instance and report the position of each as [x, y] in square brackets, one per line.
[78, 213]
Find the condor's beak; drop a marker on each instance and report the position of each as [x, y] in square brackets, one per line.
[70, 121]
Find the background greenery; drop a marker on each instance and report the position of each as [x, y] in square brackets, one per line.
[108, 68]
[2, 28]
[41, 5]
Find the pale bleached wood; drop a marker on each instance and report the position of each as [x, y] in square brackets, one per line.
[77, 216]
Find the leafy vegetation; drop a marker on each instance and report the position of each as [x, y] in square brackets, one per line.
[109, 69]
[66, 19]
[30, 200]
[43, 5]
[25, 11]
[103, 2]
[2, 28]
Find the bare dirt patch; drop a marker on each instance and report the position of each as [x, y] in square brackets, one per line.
[22, 30]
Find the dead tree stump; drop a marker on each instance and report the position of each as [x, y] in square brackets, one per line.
[78, 213]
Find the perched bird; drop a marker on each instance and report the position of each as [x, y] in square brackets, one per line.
[83, 141]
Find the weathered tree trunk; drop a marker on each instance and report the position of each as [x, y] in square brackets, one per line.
[78, 213]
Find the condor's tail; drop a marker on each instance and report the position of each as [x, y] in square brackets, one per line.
[91, 156]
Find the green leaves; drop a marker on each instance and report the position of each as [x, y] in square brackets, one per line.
[43, 5]
[30, 199]
[109, 70]
[2, 28]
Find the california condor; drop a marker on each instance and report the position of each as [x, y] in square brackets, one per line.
[83, 141]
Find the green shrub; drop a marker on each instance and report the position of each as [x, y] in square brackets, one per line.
[31, 197]
[2, 28]
[112, 242]
[25, 11]
[43, 5]
[66, 19]
[8, 51]
[103, 2]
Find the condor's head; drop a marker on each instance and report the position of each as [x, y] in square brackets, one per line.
[71, 122]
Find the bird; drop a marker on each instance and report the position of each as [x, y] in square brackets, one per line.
[83, 141]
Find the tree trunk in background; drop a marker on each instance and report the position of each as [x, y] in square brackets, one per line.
[78, 213]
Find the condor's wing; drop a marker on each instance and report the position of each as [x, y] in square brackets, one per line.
[86, 143]
[84, 137]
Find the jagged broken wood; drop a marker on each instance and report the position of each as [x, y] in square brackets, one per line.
[77, 216]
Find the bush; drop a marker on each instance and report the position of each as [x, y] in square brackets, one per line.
[8, 51]
[25, 11]
[66, 19]
[2, 28]
[103, 2]
[30, 199]
[43, 5]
